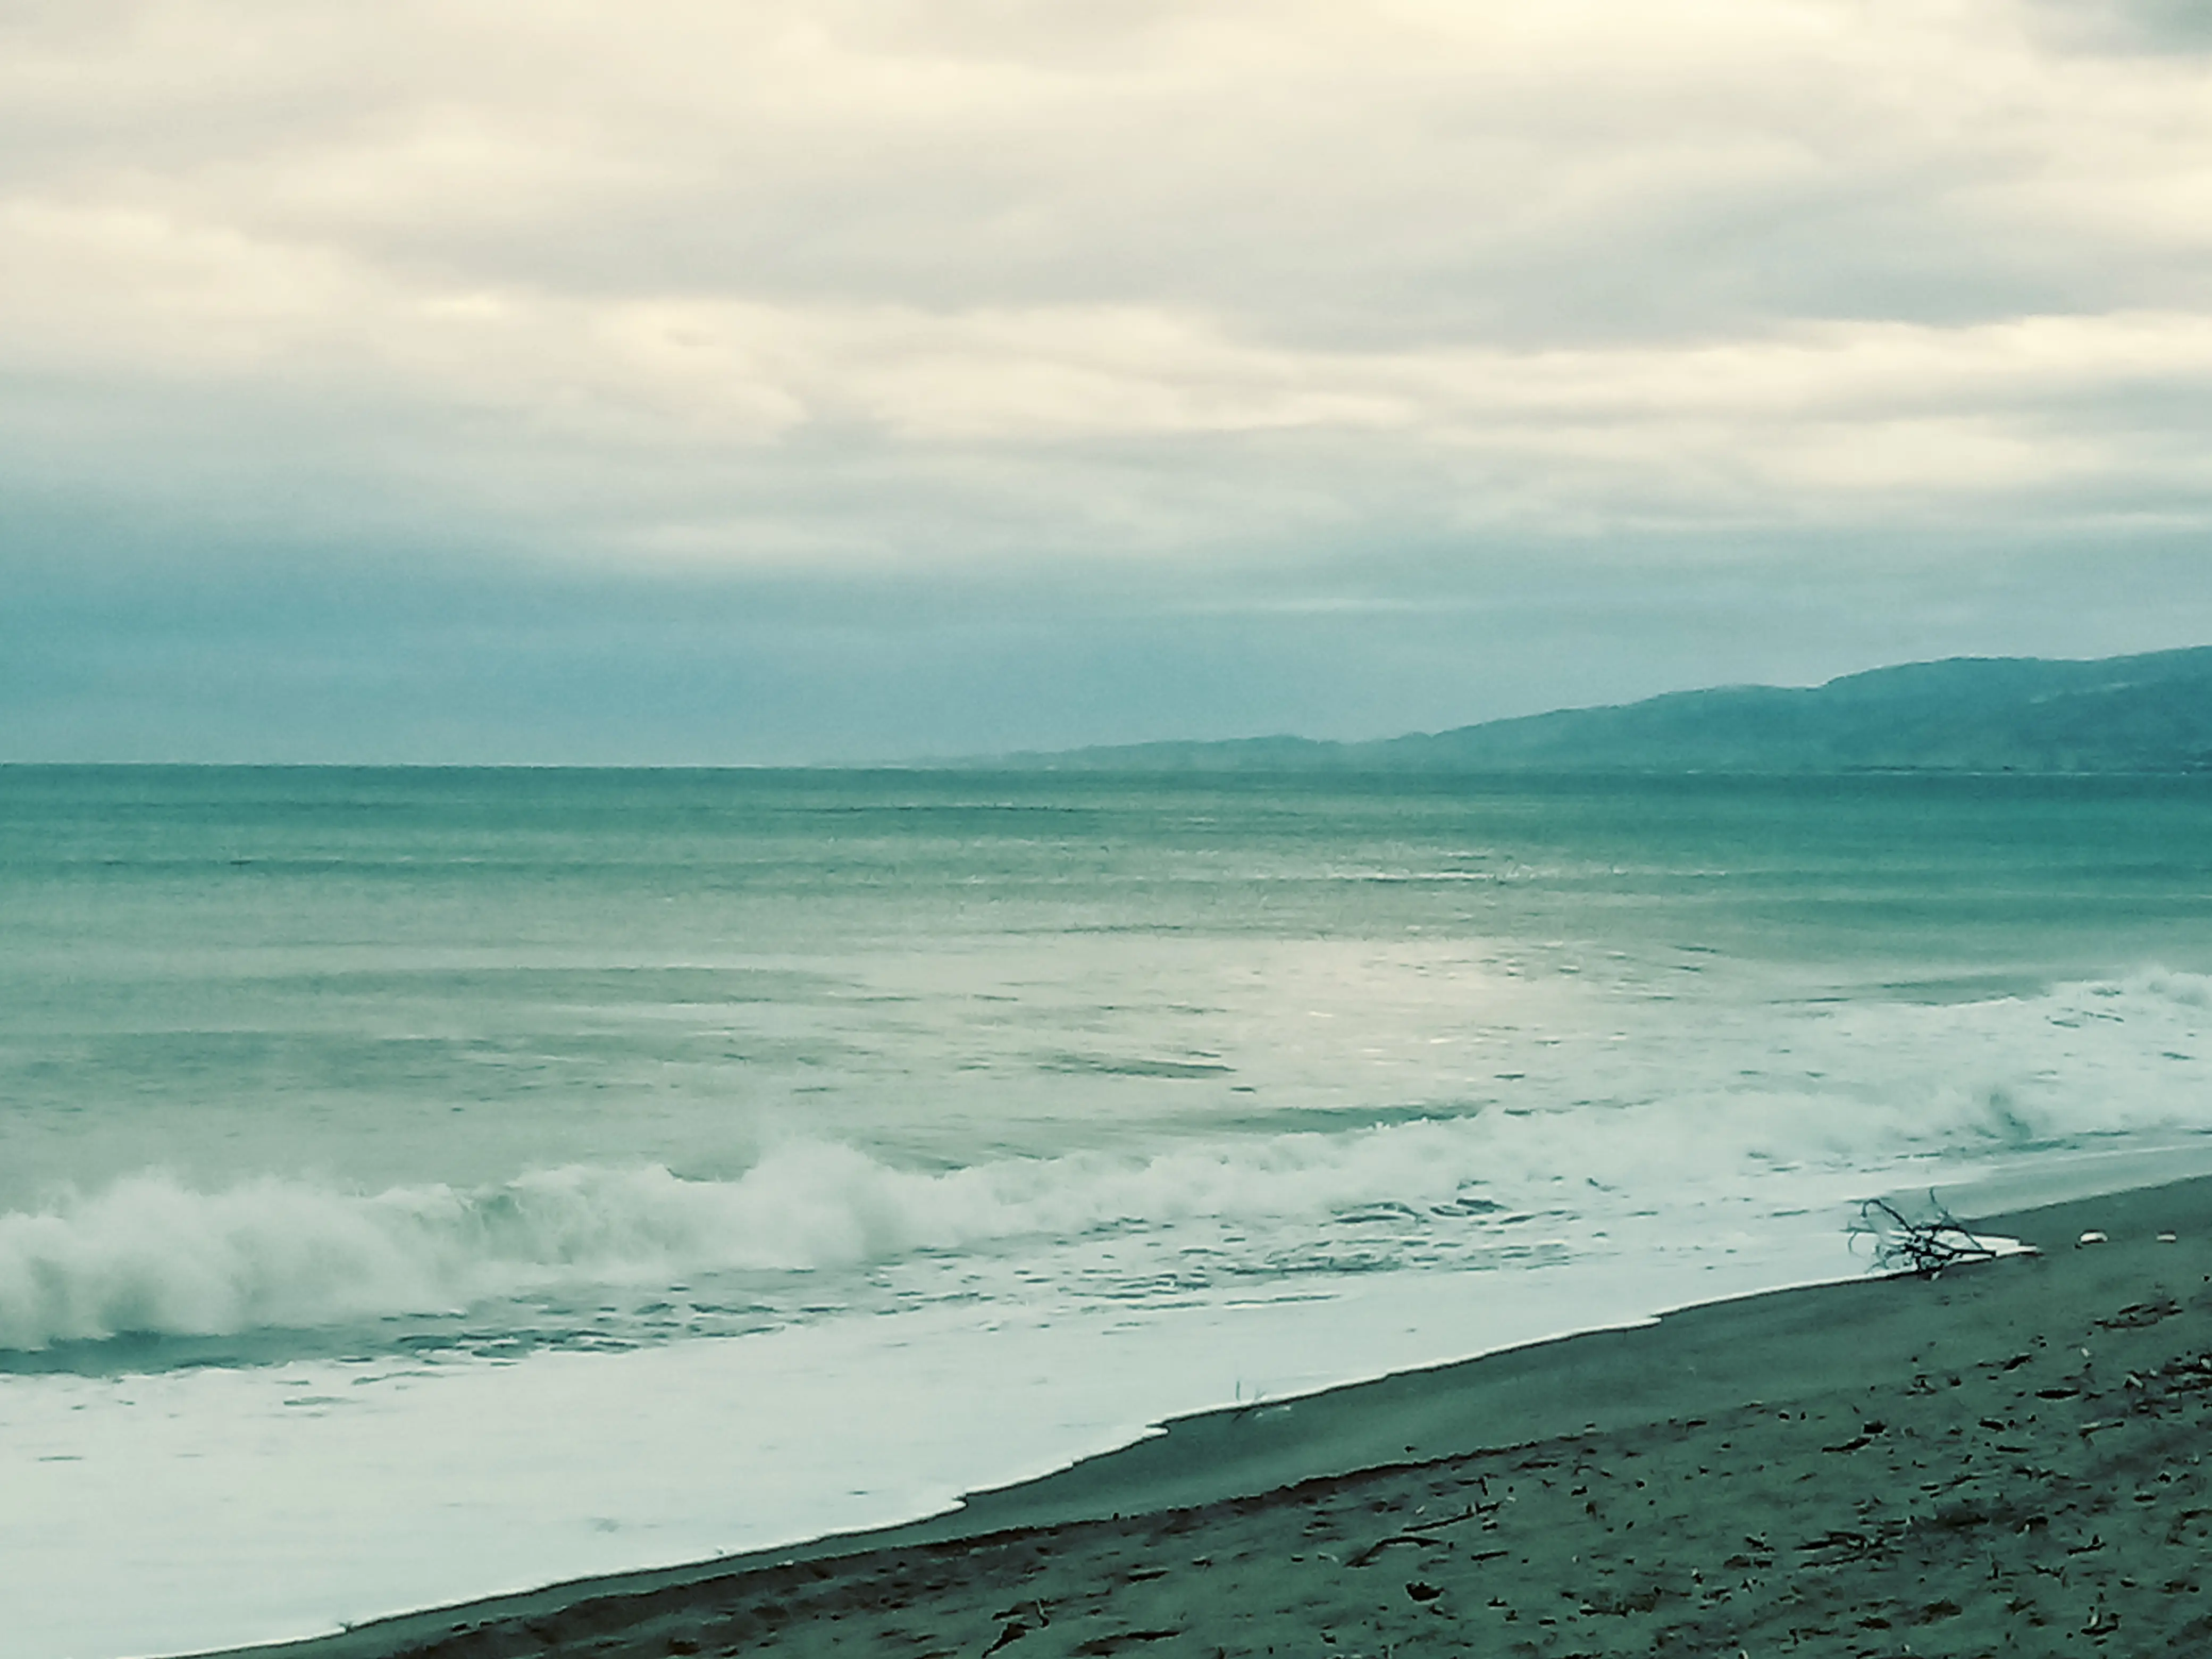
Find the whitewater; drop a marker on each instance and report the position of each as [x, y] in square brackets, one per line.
[419, 1184]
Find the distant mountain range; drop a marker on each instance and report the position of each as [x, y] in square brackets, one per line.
[2143, 714]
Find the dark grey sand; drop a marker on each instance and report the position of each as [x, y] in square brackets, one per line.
[2006, 1460]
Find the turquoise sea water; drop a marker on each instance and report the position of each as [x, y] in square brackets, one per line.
[439, 1098]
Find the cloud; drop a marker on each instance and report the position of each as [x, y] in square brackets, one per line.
[1225, 292]
[2156, 26]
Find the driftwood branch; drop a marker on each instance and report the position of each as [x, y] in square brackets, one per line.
[1923, 1248]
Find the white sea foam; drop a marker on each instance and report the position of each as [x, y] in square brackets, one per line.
[465, 1480]
[1865, 1087]
[150, 1255]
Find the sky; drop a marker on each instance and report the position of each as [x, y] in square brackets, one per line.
[759, 382]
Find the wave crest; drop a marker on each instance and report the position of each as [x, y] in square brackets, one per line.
[150, 1255]
[1853, 1091]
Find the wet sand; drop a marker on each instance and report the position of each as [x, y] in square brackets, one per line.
[2007, 1459]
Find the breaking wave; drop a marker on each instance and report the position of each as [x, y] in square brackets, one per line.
[1872, 1086]
[150, 1255]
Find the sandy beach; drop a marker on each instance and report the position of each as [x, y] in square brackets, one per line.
[2004, 1460]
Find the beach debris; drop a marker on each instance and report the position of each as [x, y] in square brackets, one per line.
[2093, 1237]
[1098, 1646]
[1867, 1430]
[1467, 1514]
[1922, 1248]
[1846, 1545]
[1361, 1557]
[2137, 1314]
[1619, 1606]
[2165, 1239]
[1016, 1625]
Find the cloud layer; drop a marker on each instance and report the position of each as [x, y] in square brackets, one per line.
[827, 290]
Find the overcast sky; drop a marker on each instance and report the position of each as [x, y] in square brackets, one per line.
[759, 381]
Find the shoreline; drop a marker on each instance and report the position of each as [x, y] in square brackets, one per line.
[2034, 1390]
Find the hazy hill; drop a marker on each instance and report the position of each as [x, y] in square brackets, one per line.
[2144, 713]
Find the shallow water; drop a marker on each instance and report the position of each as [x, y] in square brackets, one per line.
[406, 1174]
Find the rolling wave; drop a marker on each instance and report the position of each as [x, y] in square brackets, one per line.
[150, 1254]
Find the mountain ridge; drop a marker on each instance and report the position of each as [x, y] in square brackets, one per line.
[2151, 712]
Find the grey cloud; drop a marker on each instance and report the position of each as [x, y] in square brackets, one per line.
[849, 364]
[1379, 202]
[344, 659]
[2151, 26]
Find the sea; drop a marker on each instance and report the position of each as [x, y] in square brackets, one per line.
[421, 1184]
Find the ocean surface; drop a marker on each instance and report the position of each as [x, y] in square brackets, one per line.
[419, 1184]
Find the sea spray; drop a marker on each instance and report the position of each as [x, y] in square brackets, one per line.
[150, 1254]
